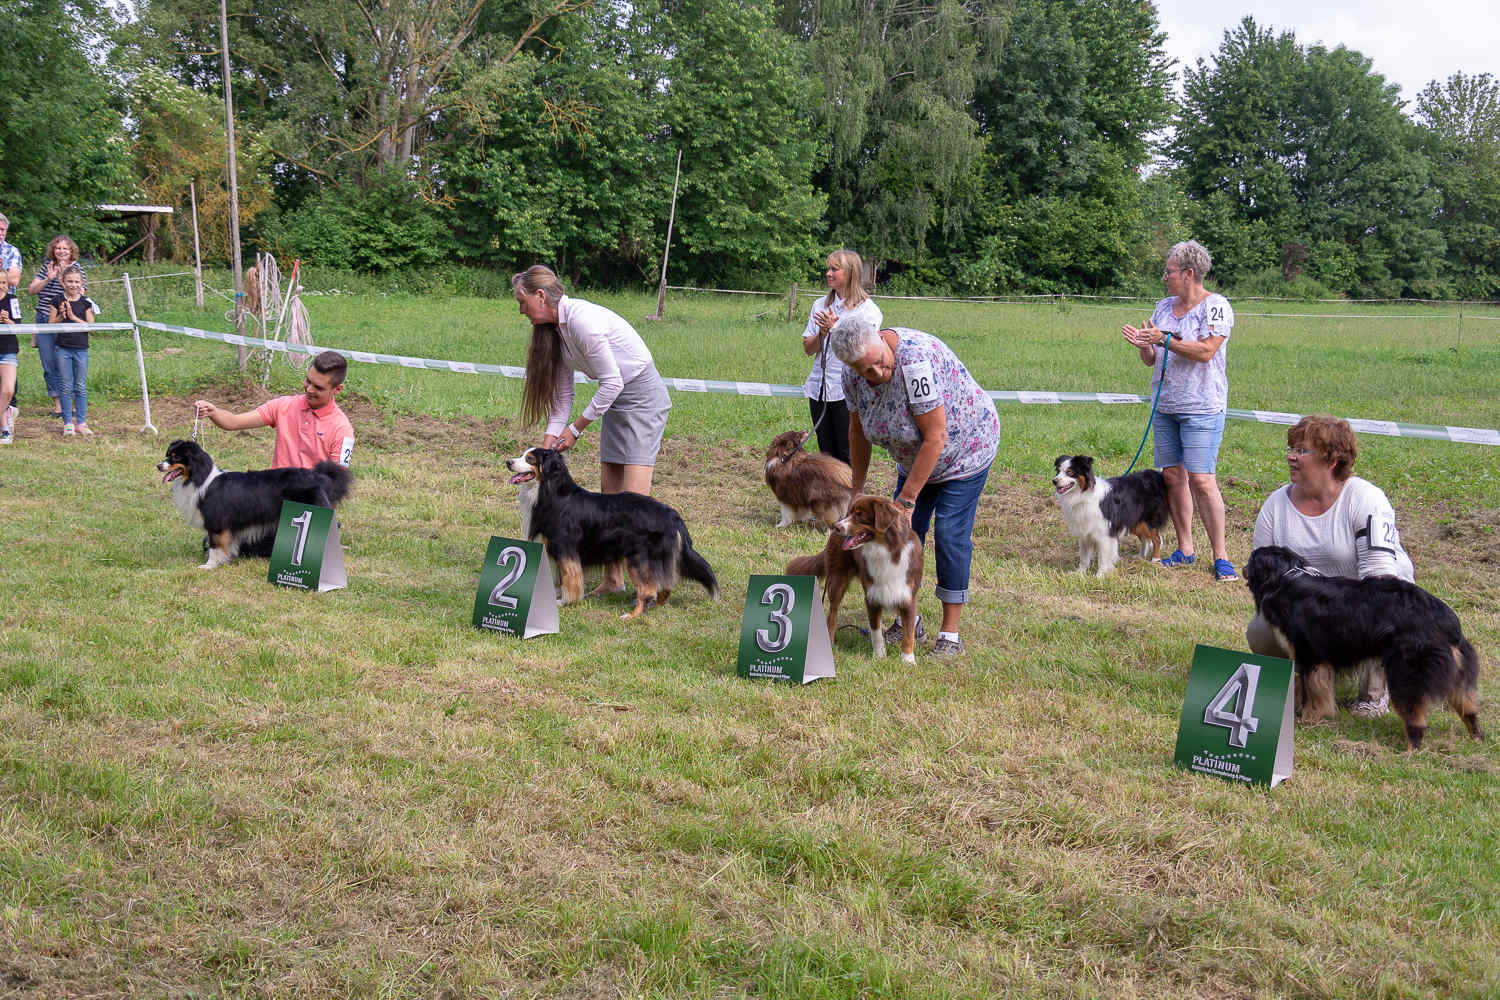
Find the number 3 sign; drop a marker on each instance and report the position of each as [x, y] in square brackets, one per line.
[784, 635]
[1237, 717]
[509, 599]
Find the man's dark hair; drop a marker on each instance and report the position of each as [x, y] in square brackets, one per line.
[333, 364]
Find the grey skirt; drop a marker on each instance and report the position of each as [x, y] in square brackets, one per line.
[633, 425]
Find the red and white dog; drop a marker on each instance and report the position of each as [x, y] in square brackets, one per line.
[809, 487]
[875, 543]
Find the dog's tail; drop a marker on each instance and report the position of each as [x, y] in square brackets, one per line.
[339, 480]
[695, 567]
[813, 565]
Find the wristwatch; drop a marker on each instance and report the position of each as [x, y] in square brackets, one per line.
[908, 504]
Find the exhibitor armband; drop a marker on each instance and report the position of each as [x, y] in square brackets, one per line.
[1378, 534]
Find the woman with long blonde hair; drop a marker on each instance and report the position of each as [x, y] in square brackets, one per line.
[824, 387]
[572, 335]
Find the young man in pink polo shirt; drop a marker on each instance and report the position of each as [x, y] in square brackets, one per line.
[310, 428]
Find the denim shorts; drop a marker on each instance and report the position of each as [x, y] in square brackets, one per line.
[1189, 439]
[9, 359]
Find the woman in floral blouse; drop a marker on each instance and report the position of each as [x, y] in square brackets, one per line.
[909, 393]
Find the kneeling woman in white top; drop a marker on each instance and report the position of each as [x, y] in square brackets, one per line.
[569, 335]
[1341, 524]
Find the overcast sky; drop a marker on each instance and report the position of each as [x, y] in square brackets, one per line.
[1408, 42]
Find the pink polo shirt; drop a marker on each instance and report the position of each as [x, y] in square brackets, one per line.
[305, 437]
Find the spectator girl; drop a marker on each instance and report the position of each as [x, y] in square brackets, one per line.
[62, 253]
[72, 351]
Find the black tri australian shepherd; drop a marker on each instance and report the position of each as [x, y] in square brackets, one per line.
[1099, 511]
[581, 529]
[238, 511]
[1333, 625]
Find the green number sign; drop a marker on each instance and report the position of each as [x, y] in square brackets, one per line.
[509, 599]
[307, 554]
[1237, 717]
[783, 634]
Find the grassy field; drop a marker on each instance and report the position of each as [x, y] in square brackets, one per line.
[212, 787]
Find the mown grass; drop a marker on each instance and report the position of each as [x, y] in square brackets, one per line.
[210, 786]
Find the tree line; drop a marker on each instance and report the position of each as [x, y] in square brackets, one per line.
[967, 146]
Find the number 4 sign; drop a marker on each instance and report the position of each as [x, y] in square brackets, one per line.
[307, 554]
[1237, 717]
[784, 635]
[509, 599]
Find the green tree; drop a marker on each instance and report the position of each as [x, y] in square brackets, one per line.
[62, 145]
[1077, 87]
[1460, 121]
[735, 103]
[178, 139]
[1284, 145]
[897, 80]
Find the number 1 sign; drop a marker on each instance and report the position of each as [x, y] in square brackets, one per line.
[784, 636]
[509, 599]
[307, 554]
[1237, 717]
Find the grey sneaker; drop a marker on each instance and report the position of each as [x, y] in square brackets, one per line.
[1371, 708]
[948, 647]
[4, 437]
[893, 634]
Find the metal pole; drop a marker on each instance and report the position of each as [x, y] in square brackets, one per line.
[140, 358]
[197, 255]
[234, 189]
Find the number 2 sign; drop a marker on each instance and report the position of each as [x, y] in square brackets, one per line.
[1237, 717]
[515, 590]
[784, 635]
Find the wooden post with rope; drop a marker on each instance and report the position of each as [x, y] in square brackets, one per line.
[661, 288]
[791, 305]
[197, 254]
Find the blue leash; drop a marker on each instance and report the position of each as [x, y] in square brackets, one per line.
[1166, 352]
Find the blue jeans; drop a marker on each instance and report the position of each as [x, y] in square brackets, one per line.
[73, 372]
[955, 503]
[1188, 439]
[46, 345]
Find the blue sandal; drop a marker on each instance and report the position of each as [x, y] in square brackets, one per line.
[1177, 559]
[1224, 571]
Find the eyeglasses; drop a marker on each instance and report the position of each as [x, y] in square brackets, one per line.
[1171, 271]
[1300, 452]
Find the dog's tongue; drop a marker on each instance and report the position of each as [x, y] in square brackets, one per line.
[1065, 487]
[171, 475]
[523, 477]
[855, 541]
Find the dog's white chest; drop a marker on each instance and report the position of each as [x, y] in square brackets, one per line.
[185, 499]
[888, 587]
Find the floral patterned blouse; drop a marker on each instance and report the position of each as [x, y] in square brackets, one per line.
[927, 375]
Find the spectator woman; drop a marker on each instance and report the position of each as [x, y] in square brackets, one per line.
[909, 393]
[572, 335]
[1341, 524]
[1185, 343]
[824, 388]
[62, 254]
